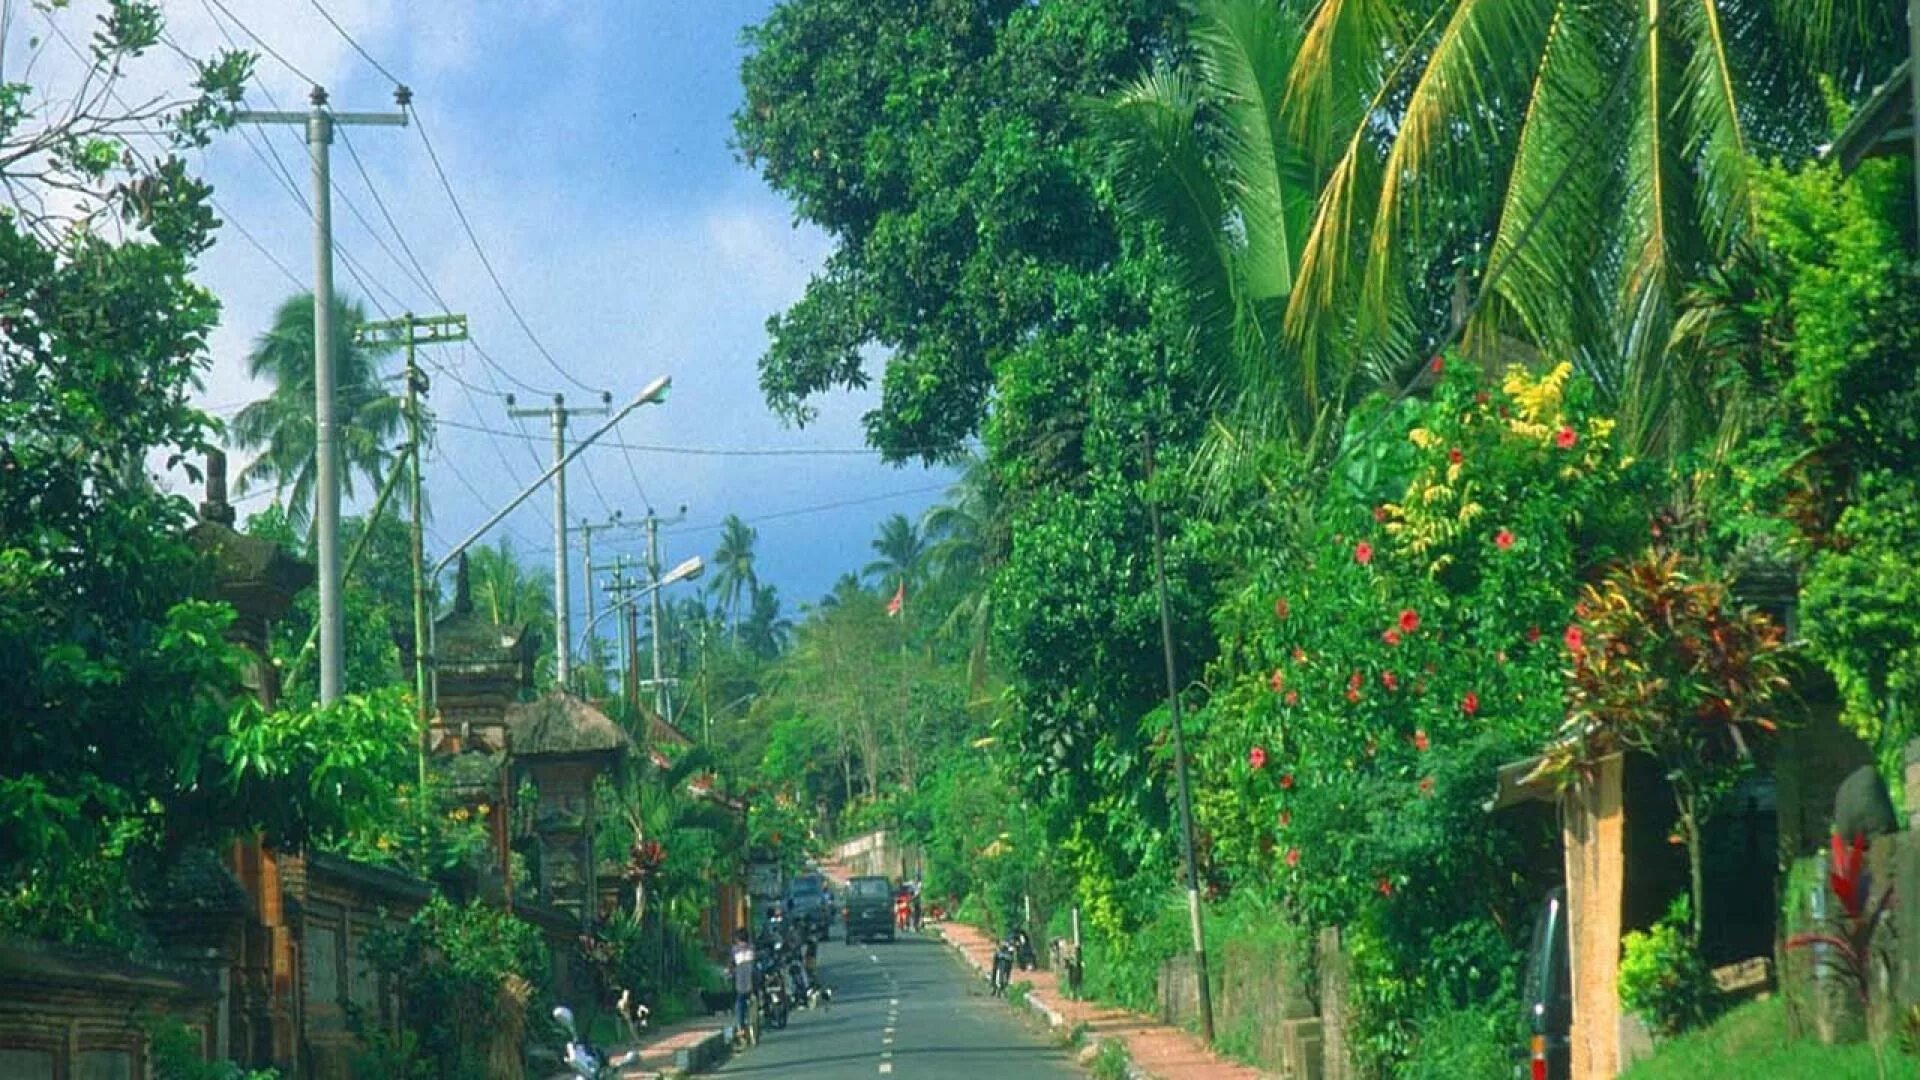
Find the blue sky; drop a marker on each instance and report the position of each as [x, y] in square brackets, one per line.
[587, 142]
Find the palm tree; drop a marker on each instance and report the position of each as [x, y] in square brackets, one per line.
[1202, 150]
[1615, 154]
[766, 630]
[903, 556]
[505, 591]
[965, 544]
[367, 415]
[734, 577]
[845, 588]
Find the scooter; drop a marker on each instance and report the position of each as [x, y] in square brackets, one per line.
[807, 990]
[580, 1056]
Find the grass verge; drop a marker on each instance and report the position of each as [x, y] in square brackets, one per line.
[1752, 1041]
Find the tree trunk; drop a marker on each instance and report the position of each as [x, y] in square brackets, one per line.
[1689, 811]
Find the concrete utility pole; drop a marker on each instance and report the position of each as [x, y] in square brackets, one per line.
[654, 521]
[410, 331]
[319, 122]
[562, 615]
[586, 529]
[1177, 720]
[653, 393]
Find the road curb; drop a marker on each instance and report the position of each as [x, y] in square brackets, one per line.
[1048, 1013]
[701, 1055]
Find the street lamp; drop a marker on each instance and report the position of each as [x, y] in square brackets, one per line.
[690, 570]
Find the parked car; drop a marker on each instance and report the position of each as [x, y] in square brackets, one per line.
[810, 905]
[1547, 996]
[869, 909]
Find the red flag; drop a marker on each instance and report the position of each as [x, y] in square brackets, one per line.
[899, 601]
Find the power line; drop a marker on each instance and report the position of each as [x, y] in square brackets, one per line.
[364, 54]
[467, 226]
[262, 42]
[692, 451]
[820, 508]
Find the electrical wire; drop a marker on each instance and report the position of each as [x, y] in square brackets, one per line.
[842, 504]
[364, 54]
[473, 238]
[262, 42]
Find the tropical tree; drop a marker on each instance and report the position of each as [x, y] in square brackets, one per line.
[903, 551]
[367, 415]
[967, 538]
[1615, 145]
[845, 588]
[507, 592]
[734, 578]
[766, 630]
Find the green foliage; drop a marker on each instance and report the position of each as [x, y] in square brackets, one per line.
[1663, 978]
[1111, 1061]
[1860, 608]
[116, 676]
[462, 973]
[174, 1052]
[1474, 1040]
[941, 147]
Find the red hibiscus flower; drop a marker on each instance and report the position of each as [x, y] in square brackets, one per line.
[1380, 513]
[1470, 704]
[1257, 757]
[1438, 366]
[1299, 655]
[1503, 540]
[1293, 856]
[1353, 696]
[1389, 680]
[1363, 553]
[1454, 456]
[1293, 697]
[1426, 785]
[1280, 608]
[1278, 680]
[1420, 739]
[1576, 640]
[1533, 635]
[1409, 621]
[1353, 681]
[1391, 637]
[1385, 887]
[1286, 818]
[1286, 781]
[1565, 438]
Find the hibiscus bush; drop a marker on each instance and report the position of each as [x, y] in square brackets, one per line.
[1375, 674]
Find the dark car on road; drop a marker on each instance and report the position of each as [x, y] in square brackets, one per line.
[810, 905]
[869, 907]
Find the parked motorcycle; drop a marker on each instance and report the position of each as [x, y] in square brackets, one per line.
[1023, 949]
[1002, 970]
[776, 1000]
[581, 1057]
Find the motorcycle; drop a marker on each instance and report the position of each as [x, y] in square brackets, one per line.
[1023, 950]
[1002, 971]
[776, 1001]
[807, 990]
[581, 1057]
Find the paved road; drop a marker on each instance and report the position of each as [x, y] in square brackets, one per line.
[911, 1010]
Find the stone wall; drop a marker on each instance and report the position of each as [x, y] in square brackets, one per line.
[879, 853]
[1259, 1004]
[66, 1013]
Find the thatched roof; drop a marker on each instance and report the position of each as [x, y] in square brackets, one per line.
[560, 724]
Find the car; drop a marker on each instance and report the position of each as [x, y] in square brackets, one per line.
[809, 904]
[1547, 996]
[869, 908]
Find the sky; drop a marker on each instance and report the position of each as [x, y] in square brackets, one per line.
[587, 143]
